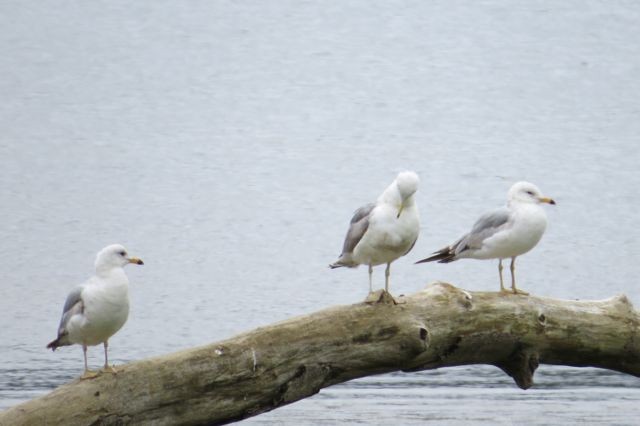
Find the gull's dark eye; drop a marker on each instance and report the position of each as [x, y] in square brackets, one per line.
[122, 253]
[530, 193]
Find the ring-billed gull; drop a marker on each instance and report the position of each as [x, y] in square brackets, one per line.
[95, 310]
[383, 231]
[506, 232]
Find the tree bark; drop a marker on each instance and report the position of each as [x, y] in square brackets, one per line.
[272, 366]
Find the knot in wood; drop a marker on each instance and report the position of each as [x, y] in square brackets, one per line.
[542, 319]
[424, 334]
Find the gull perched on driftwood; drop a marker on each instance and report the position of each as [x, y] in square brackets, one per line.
[383, 231]
[506, 232]
[95, 310]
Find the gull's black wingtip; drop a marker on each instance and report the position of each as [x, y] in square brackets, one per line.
[445, 255]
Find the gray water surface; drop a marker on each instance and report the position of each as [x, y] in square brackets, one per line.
[227, 144]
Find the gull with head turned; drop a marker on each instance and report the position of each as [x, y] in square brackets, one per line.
[381, 232]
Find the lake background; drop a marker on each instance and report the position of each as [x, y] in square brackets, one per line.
[227, 143]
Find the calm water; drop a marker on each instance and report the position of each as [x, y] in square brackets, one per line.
[227, 144]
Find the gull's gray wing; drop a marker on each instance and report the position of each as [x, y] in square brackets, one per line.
[358, 226]
[73, 305]
[485, 227]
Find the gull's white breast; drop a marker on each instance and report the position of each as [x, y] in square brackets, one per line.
[106, 309]
[388, 236]
[529, 222]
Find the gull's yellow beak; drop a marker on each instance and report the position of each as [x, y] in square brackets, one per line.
[400, 210]
[136, 261]
[547, 200]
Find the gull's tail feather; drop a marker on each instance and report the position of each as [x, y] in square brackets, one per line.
[444, 255]
[344, 261]
[60, 341]
[54, 344]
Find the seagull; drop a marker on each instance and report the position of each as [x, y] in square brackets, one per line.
[383, 231]
[95, 310]
[506, 232]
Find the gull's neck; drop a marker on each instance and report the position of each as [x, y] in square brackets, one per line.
[111, 272]
[519, 205]
[391, 195]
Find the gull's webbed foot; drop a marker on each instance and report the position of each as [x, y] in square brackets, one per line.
[109, 369]
[89, 374]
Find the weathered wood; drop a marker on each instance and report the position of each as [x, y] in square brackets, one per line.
[272, 366]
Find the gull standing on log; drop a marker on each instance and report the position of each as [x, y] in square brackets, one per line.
[383, 231]
[506, 232]
[96, 310]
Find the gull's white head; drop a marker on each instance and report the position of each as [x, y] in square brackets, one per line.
[525, 192]
[115, 256]
[407, 183]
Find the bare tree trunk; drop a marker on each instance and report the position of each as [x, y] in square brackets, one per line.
[275, 365]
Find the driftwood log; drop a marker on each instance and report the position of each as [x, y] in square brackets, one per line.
[271, 366]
